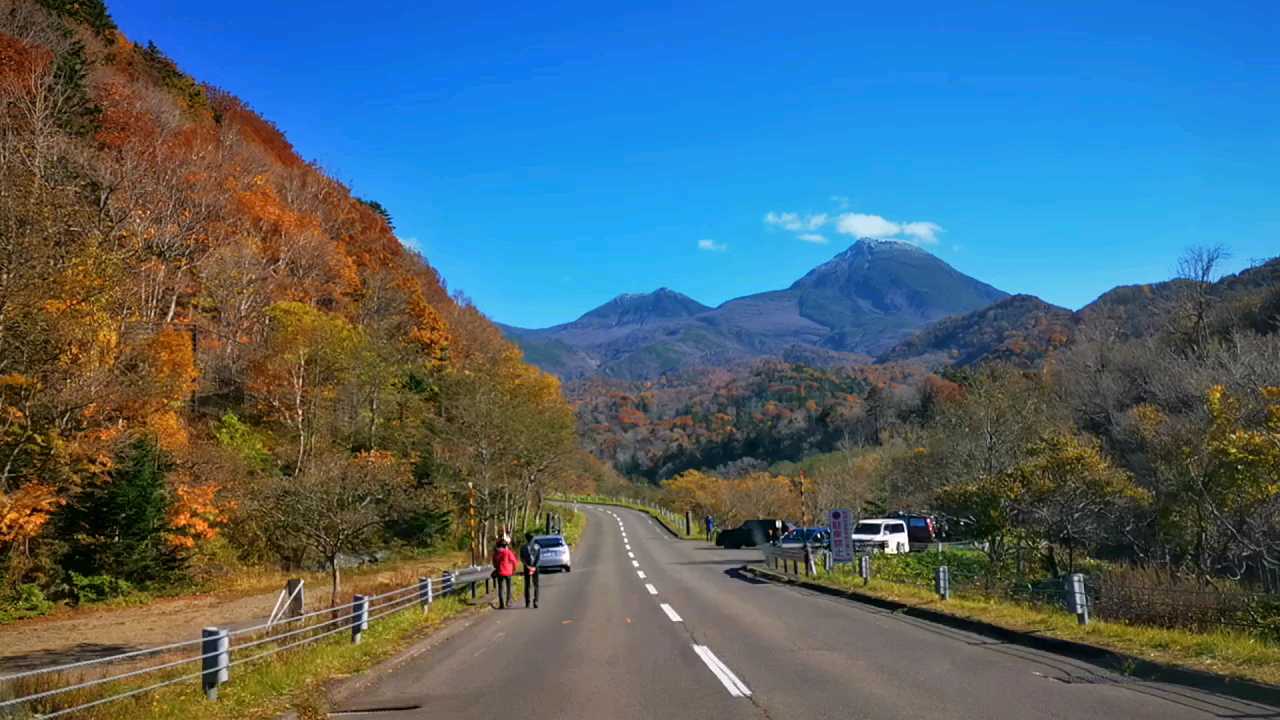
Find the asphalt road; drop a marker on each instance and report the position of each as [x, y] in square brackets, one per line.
[647, 626]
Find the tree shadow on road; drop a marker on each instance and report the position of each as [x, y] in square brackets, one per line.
[737, 574]
[61, 656]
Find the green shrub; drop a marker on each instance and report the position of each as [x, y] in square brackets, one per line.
[28, 603]
[97, 588]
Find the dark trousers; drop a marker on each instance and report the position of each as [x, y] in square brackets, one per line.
[531, 581]
[504, 590]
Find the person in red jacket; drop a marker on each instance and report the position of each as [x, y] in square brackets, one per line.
[504, 566]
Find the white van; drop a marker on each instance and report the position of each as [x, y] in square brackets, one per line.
[886, 534]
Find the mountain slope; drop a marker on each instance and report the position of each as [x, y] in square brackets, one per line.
[1021, 329]
[864, 300]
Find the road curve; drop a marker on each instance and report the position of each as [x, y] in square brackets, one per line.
[647, 626]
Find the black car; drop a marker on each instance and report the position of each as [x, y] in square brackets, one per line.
[752, 533]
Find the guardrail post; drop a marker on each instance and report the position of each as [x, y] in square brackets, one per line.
[809, 568]
[1078, 597]
[864, 568]
[359, 617]
[942, 582]
[827, 561]
[446, 582]
[424, 593]
[294, 588]
[214, 647]
[473, 589]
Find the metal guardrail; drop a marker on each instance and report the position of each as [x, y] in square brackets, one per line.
[222, 649]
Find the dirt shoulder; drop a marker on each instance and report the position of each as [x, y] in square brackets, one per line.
[85, 633]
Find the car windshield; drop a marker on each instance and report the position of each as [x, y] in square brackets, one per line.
[549, 542]
[865, 528]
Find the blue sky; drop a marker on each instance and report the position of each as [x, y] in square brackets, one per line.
[547, 156]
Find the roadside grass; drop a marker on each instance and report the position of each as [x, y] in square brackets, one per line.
[291, 679]
[676, 526]
[1224, 652]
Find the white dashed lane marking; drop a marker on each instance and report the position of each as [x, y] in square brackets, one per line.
[730, 681]
[640, 573]
[671, 613]
[652, 590]
[635, 563]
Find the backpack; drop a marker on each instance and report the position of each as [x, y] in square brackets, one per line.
[530, 554]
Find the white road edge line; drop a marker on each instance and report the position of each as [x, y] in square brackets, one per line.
[730, 681]
[652, 590]
[640, 573]
[670, 613]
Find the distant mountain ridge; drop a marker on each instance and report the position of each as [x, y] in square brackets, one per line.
[862, 302]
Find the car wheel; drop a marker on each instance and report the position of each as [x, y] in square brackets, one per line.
[567, 568]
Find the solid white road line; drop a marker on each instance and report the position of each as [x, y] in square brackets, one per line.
[635, 563]
[652, 590]
[670, 613]
[730, 681]
[640, 573]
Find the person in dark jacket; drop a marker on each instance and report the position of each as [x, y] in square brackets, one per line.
[530, 553]
[504, 566]
[710, 523]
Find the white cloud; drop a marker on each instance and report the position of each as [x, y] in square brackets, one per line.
[859, 225]
[866, 226]
[919, 232]
[925, 232]
[712, 245]
[795, 222]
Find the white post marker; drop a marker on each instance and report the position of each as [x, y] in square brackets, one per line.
[671, 613]
[722, 672]
[652, 590]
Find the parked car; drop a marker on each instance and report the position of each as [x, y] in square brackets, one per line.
[888, 535]
[921, 528]
[555, 553]
[815, 537]
[752, 533]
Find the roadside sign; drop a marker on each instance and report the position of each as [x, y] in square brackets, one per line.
[841, 529]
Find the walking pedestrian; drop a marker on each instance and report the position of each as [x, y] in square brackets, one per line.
[710, 522]
[530, 553]
[504, 566]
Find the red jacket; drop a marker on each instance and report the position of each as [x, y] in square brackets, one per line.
[504, 561]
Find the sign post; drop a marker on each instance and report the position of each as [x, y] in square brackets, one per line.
[841, 530]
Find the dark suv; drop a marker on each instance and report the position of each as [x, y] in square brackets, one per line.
[752, 533]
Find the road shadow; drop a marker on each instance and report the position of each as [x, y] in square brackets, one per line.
[62, 656]
[737, 574]
[738, 562]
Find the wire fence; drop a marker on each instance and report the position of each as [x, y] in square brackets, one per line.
[1127, 596]
[72, 688]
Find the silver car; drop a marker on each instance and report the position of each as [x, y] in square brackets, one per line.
[555, 552]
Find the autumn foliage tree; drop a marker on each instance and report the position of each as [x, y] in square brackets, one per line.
[173, 276]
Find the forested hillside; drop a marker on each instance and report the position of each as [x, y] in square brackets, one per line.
[211, 352]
